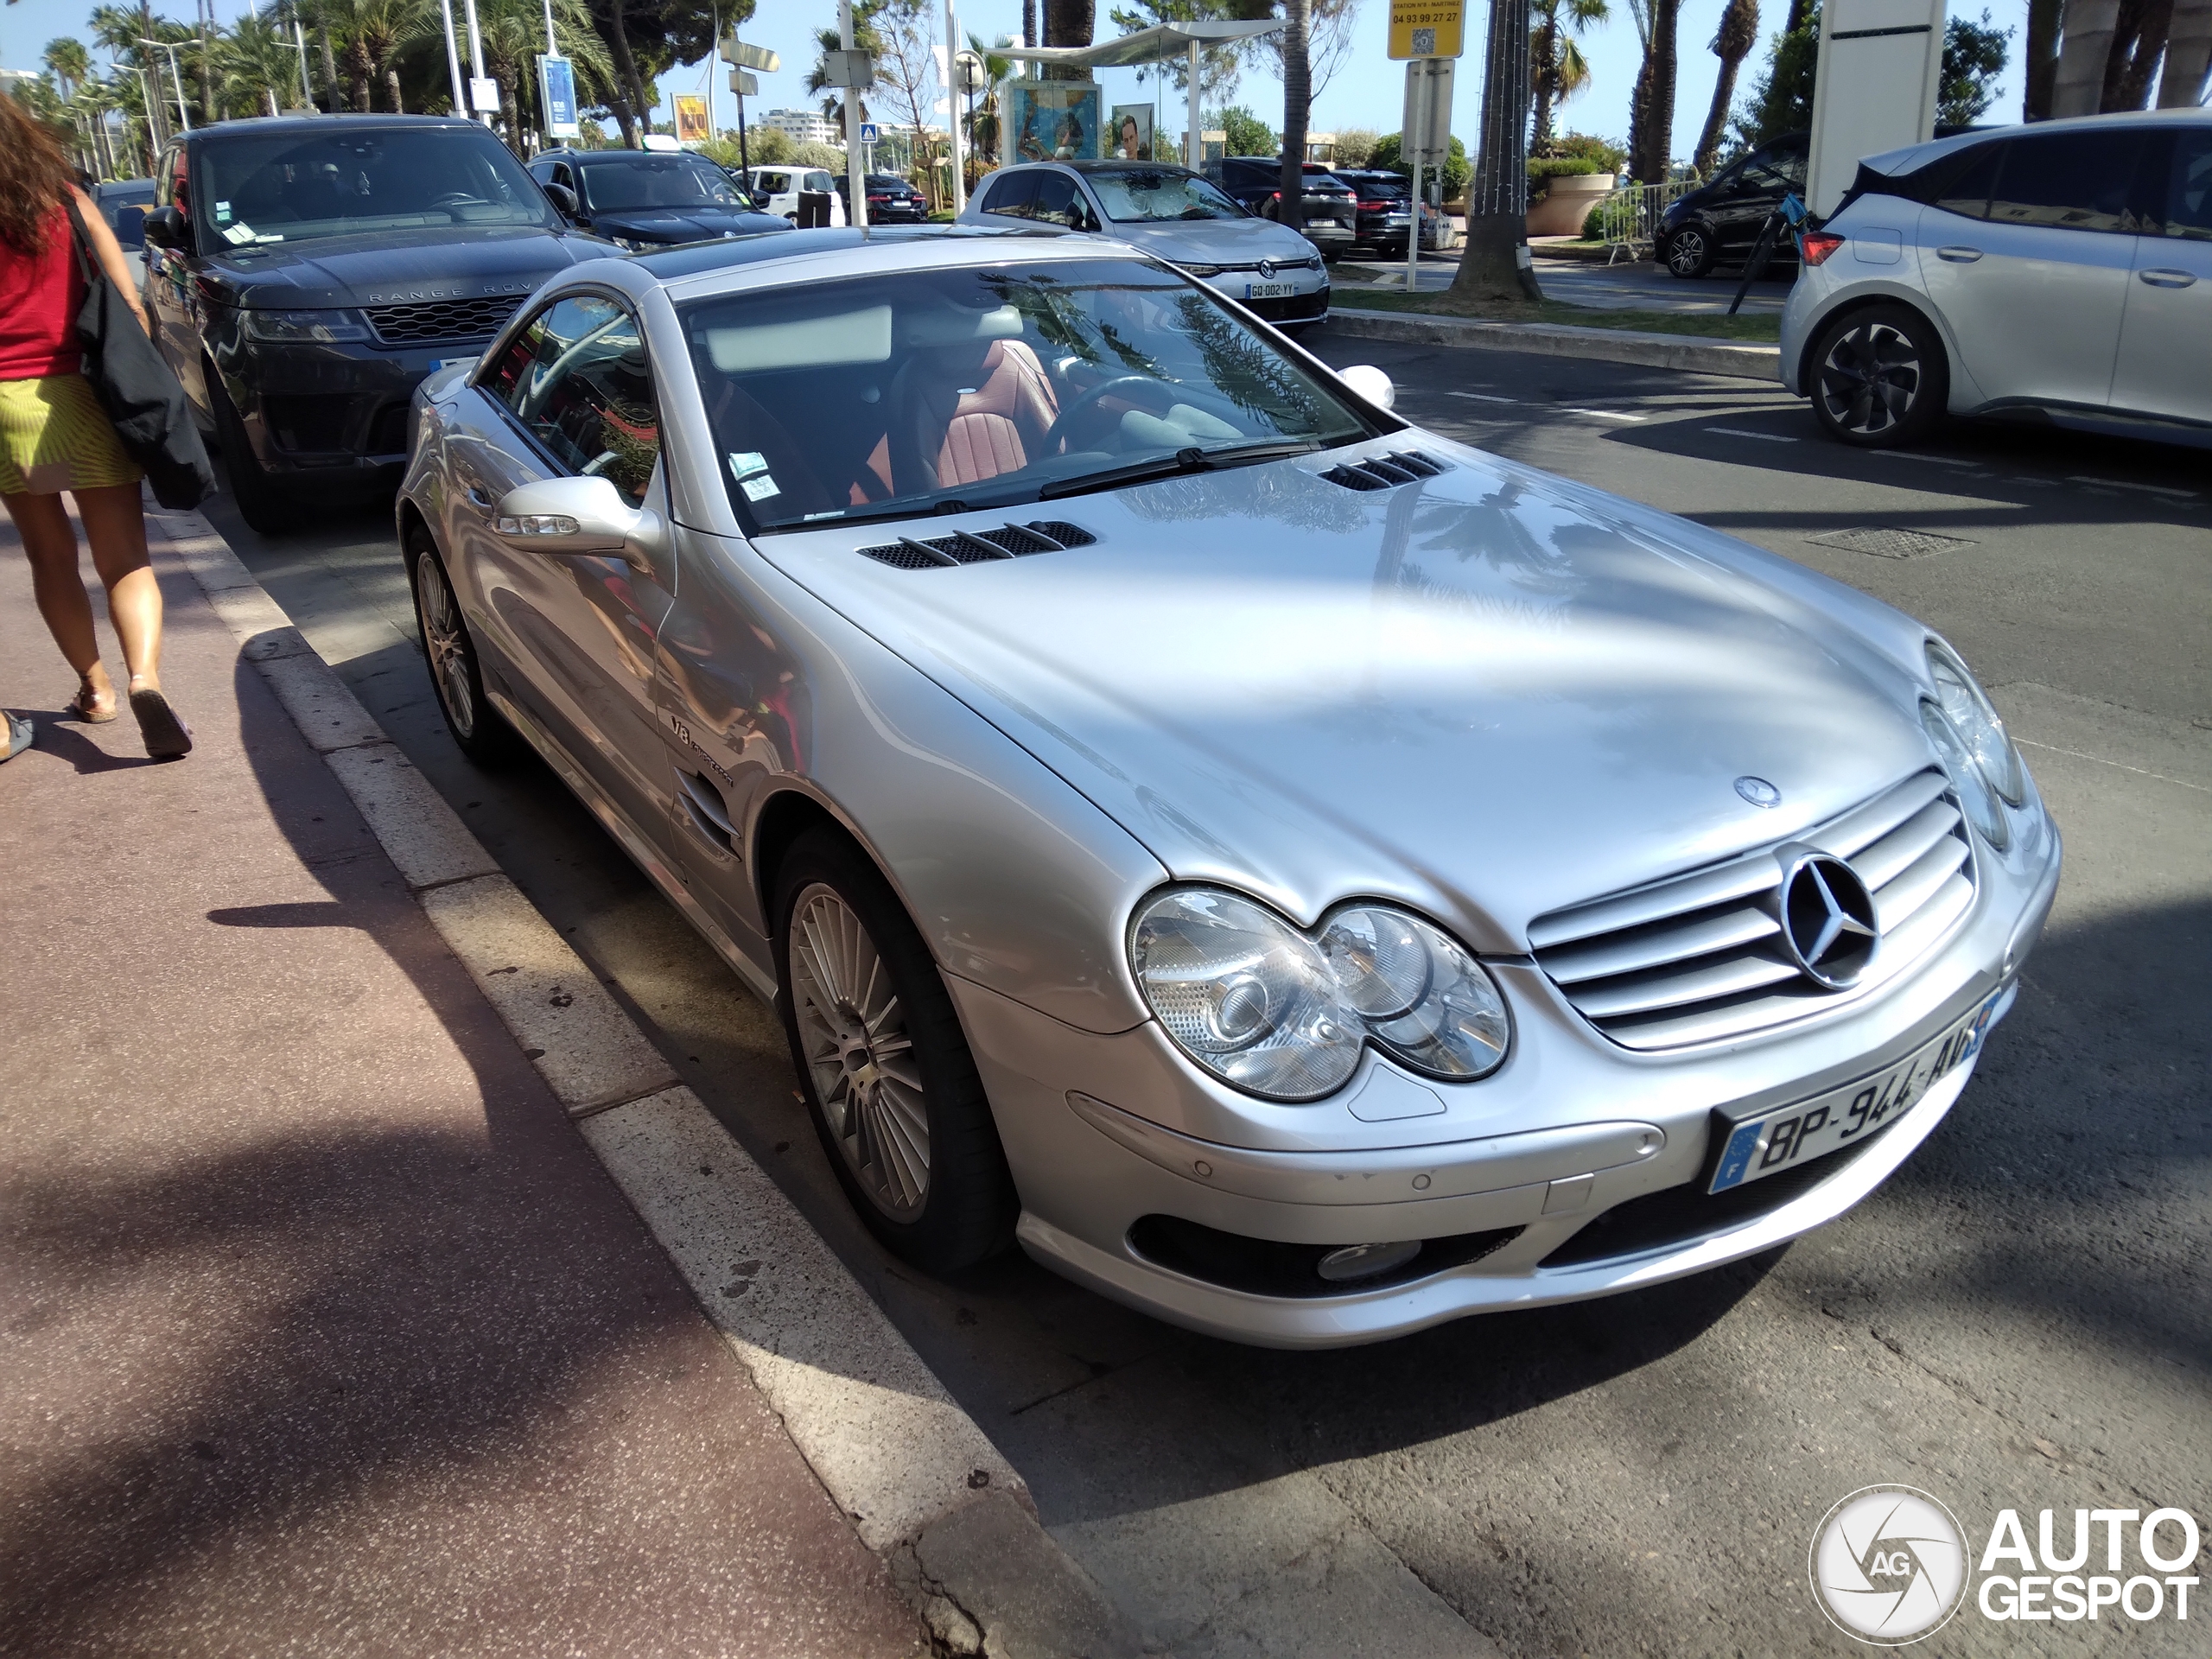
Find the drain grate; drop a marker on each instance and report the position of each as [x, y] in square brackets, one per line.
[1884, 541]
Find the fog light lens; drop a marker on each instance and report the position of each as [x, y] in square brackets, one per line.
[1365, 1261]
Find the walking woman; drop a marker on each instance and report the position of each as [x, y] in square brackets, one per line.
[56, 436]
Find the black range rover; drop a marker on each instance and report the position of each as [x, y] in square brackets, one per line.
[304, 273]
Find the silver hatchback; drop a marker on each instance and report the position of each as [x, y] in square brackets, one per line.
[2065, 267]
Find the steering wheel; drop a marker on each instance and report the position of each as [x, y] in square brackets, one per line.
[453, 198]
[1056, 435]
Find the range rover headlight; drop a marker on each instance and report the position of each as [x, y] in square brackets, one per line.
[1983, 809]
[1972, 714]
[1269, 1008]
[305, 327]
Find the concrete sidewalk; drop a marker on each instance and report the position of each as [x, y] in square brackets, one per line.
[324, 1330]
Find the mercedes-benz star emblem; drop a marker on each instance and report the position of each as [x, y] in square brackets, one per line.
[1827, 919]
[1267, 267]
[1758, 791]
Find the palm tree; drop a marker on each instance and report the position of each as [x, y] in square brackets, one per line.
[514, 33]
[1297, 110]
[260, 68]
[1652, 121]
[374, 32]
[1494, 268]
[68, 61]
[983, 115]
[1556, 64]
[826, 41]
[1732, 43]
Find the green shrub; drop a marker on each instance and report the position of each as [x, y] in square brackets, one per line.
[1581, 146]
[1561, 166]
[1458, 169]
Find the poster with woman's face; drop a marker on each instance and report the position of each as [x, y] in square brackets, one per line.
[1132, 132]
[1055, 120]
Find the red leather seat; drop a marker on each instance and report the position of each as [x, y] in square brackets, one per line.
[966, 428]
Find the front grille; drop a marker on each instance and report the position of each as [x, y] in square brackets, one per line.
[435, 321]
[963, 547]
[1296, 307]
[1700, 957]
[1384, 472]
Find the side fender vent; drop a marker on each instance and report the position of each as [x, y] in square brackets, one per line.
[1384, 472]
[963, 547]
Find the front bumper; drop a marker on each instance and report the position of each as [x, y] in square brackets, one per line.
[329, 407]
[1107, 1135]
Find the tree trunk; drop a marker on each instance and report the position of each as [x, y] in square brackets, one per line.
[1639, 110]
[358, 70]
[2079, 85]
[1732, 43]
[624, 122]
[2136, 45]
[330, 65]
[1069, 22]
[1656, 129]
[625, 69]
[1543, 67]
[1029, 35]
[1297, 107]
[2042, 51]
[391, 89]
[1494, 265]
[207, 81]
[2188, 52]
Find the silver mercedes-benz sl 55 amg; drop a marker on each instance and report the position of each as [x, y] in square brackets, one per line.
[1291, 872]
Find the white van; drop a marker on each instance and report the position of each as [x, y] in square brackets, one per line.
[782, 185]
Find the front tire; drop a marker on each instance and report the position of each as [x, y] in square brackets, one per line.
[480, 730]
[1879, 379]
[269, 506]
[1689, 252]
[884, 1068]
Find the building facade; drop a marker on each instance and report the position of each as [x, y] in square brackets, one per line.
[804, 126]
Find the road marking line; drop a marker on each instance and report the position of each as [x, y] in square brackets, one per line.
[1604, 414]
[1933, 460]
[2140, 772]
[2120, 484]
[1739, 432]
[1482, 397]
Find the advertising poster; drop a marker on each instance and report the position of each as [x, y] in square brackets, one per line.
[691, 119]
[1130, 137]
[557, 97]
[1054, 120]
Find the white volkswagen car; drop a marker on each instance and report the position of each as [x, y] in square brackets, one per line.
[779, 188]
[2065, 267]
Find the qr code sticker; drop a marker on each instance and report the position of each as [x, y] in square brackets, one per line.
[1423, 43]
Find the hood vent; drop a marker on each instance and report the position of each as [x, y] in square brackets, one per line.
[964, 547]
[1384, 472]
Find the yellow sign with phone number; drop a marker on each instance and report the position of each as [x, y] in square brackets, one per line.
[1426, 29]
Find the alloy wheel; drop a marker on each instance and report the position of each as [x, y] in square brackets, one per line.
[447, 641]
[1871, 379]
[852, 1029]
[1685, 252]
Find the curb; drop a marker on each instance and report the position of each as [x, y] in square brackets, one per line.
[1683, 352]
[917, 1476]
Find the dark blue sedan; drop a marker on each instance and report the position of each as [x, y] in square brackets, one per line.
[641, 198]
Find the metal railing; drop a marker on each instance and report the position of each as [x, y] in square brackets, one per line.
[1628, 219]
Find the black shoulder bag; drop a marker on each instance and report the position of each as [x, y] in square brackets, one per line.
[138, 389]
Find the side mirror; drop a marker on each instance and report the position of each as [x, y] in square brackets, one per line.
[562, 517]
[1366, 381]
[564, 199]
[164, 228]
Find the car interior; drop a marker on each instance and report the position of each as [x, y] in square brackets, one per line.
[870, 397]
[290, 188]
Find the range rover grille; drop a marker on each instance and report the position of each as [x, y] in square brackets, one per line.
[1698, 958]
[1384, 472]
[436, 321]
[964, 547]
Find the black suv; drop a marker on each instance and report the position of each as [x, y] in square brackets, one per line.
[1385, 201]
[1255, 183]
[304, 273]
[891, 200]
[1717, 223]
[646, 199]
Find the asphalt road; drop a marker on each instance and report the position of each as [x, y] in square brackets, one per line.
[2020, 1319]
[1631, 285]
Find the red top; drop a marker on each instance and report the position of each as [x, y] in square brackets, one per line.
[38, 323]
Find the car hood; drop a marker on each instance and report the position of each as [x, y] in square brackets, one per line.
[1487, 694]
[683, 224]
[394, 267]
[1215, 241]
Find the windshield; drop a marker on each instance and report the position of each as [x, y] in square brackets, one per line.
[941, 391]
[1137, 195]
[295, 187]
[657, 181]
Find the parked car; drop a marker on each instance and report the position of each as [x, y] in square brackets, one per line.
[1291, 871]
[1386, 208]
[891, 200]
[778, 188]
[638, 199]
[122, 203]
[1255, 183]
[1717, 223]
[1173, 214]
[305, 273]
[2065, 266]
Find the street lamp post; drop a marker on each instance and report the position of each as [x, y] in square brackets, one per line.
[176, 77]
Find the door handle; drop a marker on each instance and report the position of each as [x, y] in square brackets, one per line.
[2167, 277]
[1959, 256]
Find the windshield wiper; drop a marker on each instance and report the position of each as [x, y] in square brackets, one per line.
[1193, 460]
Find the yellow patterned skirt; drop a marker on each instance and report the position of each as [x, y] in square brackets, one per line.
[54, 435]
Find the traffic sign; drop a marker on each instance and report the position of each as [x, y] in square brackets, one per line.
[1425, 132]
[734, 51]
[870, 133]
[856, 69]
[744, 83]
[1428, 29]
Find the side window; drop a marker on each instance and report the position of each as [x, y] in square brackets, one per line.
[820, 182]
[176, 190]
[577, 380]
[1056, 199]
[1792, 166]
[2072, 181]
[1967, 192]
[1012, 195]
[2189, 191]
[563, 175]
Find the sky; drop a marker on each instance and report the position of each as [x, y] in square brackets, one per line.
[1368, 91]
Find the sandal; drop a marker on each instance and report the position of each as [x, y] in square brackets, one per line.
[81, 707]
[167, 737]
[20, 733]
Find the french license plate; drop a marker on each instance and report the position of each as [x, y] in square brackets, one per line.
[1794, 1134]
[1269, 290]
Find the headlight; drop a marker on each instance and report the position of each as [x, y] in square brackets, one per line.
[628, 245]
[1983, 808]
[1972, 714]
[1264, 1007]
[306, 328]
